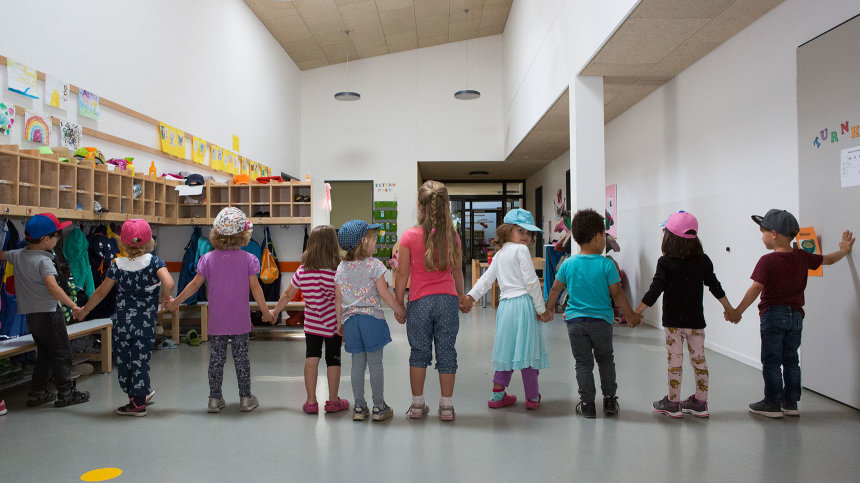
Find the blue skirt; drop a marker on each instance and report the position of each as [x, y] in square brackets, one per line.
[520, 342]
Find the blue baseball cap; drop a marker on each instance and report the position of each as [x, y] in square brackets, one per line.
[521, 218]
[350, 234]
[43, 224]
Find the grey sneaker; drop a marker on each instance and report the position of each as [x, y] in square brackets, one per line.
[693, 406]
[767, 409]
[247, 404]
[359, 413]
[789, 408]
[667, 407]
[74, 397]
[216, 405]
[38, 398]
[382, 414]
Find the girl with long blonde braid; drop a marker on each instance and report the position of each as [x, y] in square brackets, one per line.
[431, 262]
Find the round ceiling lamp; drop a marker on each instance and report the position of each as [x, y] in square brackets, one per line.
[347, 95]
[467, 94]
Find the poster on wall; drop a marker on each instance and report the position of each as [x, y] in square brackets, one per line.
[36, 128]
[808, 242]
[172, 140]
[216, 156]
[70, 135]
[21, 79]
[198, 150]
[385, 191]
[612, 210]
[7, 118]
[246, 169]
[88, 104]
[57, 93]
[850, 167]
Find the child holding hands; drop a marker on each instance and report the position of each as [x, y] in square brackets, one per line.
[519, 341]
[231, 273]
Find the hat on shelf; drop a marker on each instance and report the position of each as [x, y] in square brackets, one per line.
[241, 179]
[194, 180]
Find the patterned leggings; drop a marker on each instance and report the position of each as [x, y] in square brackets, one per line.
[132, 355]
[217, 357]
[696, 346]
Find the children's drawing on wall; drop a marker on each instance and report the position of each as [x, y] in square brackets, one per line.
[57, 93]
[612, 210]
[70, 135]
[88, 105]
[22, 79]
[198, 150]
[7, 118]
[807, 241]
[36, 128]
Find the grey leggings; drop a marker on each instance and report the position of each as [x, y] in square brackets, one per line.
[360, 360]
[217, 357]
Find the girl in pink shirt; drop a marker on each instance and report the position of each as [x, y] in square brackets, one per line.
[315, 278]
[430, 254]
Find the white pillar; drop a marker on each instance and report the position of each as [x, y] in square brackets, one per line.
[587, 155]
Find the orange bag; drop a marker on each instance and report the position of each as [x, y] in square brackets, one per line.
[269, 270]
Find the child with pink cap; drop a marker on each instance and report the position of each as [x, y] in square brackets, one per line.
[682, 271]
[139, 278]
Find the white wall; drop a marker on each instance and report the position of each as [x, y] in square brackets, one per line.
[546, 44]
[720, 141]
[551, 177]
[407, 113]
[207, 66]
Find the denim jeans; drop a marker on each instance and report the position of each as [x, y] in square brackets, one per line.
[54, 353]
[781, 327]
[587, 336]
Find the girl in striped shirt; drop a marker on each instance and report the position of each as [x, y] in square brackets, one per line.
[315, 278]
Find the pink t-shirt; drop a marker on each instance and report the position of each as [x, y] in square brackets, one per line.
[228, 275]
[318, 290]
[421, 281]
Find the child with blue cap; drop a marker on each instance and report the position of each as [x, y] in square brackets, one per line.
[519, 343]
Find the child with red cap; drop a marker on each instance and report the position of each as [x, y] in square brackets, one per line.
[682, 272]
[39, 297]
[138, 277]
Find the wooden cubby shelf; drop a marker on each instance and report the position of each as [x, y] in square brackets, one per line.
[31, 183]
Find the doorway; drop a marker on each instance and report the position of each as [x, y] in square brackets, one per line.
[350, 200]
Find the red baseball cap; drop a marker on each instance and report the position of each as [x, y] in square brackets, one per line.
[135, 232]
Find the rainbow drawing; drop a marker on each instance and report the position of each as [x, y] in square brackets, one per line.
[37, 130]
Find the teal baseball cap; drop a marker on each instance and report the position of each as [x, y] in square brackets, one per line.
[522, 218]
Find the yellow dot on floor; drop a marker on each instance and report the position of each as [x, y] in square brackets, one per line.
[101, 474]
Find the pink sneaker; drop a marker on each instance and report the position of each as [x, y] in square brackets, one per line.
[533, 404]
[506, 400]
[311, 408]
[335, 406]
[2, 408]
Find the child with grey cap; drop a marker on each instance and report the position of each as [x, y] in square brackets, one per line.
[780, 278]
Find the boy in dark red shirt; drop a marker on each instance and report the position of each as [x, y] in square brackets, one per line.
[780, 278]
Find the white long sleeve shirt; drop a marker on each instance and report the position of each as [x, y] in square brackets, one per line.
[512, 267]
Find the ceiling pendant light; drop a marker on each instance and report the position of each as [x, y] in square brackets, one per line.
[347, 95]
[467, 94]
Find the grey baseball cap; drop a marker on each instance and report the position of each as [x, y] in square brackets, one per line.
[779, 221]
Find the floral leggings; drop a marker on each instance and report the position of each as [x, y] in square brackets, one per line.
[217, 357]
[696, 346]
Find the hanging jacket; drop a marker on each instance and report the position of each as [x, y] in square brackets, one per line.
[11, 324]
[102, 251]
[115, 237]
[253, 248]
[75, 248]
[189, 269]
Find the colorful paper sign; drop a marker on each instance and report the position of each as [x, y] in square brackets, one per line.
[88, 105]
[36, 128]
[70, 135]
[57, 93]
[808, 242]
[172, 140]
[7, 118]
[245, 165]
[235, 143]
[198, 150]
[216, 157]
[22, 79]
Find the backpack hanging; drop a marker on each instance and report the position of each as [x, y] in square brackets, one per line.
[269, 271]
[11, 324]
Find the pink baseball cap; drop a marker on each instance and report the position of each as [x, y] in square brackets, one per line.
[135, 232]
[680, 222]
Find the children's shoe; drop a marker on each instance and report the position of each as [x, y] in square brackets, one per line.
[382, 414]
[150, 396]
[336, 406]
[668, 407]
[247, 404]
[446, 413]
[216, 405]
[311, 408]
[789, 408]
[359, 413]
[132, 409]
[693, 406]
[533, 404]
[74, 397]
[418, 412]
[587, 409]
[38, 398]
[610, 404]
[506, 400]
[2, 407]
[767, 409]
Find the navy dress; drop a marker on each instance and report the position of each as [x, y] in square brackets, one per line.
[134, 321]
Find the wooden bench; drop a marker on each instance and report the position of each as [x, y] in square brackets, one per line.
[173, 318]
[25, 343]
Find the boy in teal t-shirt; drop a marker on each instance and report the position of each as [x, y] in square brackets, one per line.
[592, 283]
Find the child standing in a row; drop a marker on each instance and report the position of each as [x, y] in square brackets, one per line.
[231, 273]
[359, 287]
[519, 340]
